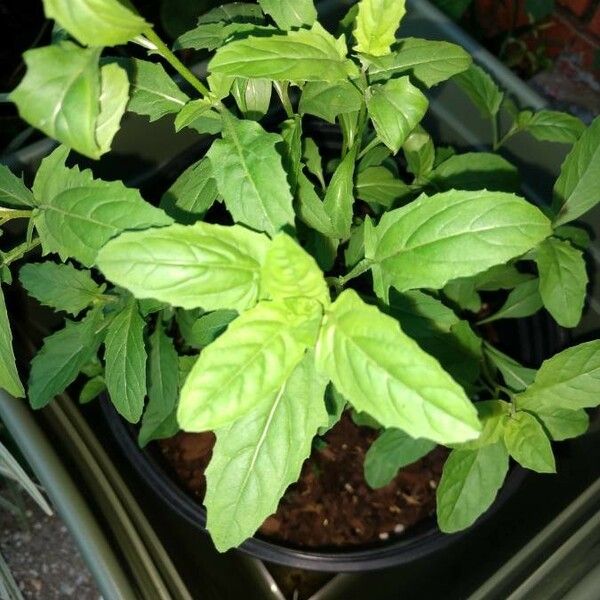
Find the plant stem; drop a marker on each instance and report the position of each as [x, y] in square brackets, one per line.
[166, 53]
[19, 251]
[363, 266]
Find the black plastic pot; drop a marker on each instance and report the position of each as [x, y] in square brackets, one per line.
[535, 337]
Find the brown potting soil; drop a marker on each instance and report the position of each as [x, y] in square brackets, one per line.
[331, 504]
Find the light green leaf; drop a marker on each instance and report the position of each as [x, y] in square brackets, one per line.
[114, 96]
[288, 14]
[256, 458]
[576, 189]
[328, 100]
[313, 160]
[256, 96]
[391, 451]
[153, 92]
[470, 481]
[475, 171]
[191, 112]
[9, 376]
[97, 22]
[200, 265]
[381, 371]
[419, 152]
[310, 208]
[60, 95]
[62, 356]
[290, 272]
[376, 25]
[568, 380]
[13, 191]
[378, 185]
[423, 244]
[125, 358]
[159, 420]
[527, 442]
[515, 375]
[429, 62]
[192, 193]
[302, 55]
[63, 287]
[562, 424]
[481, 89]
[339, 197]
[500, 277]
[563, 280]
[250, 176]
[92, 389]
[492, 414]
[552, 126]
[207, 328]
[396, 108]
[77, 222]
[248, 364]
[523, 301]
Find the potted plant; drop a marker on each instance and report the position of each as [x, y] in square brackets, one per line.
[266, 294]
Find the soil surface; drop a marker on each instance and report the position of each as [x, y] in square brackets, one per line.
[331, 504]
[42, 556]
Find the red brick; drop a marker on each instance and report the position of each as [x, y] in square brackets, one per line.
[577, 7]
[594, 24]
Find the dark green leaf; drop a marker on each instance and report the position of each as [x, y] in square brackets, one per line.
[481, 89]
[9, 376]
[378, 185]
[313, 160]
[207, 328]
[523, 301]
[13, 191]
[92, 389]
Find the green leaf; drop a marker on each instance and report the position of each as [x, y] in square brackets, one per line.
[419, 152]
[310, 208]
[463, 293]
[13, 191]
[63, 287]
[552, 126]
[528, 444]
[60, 95]
[125, 358]
[423, 244]
[192, 194]
[378, 185]
[576, 189]
[114, 96]
[376, 25]
[211, 36]
[250, 176]
[191, 112]
[248, 364]
[291, 151]
[234, 12]
[381, 371]
[97, 22]
[493, 415]
[290, 272]
[288, 14]
[523, 301]
[474, 171]
[92, 389]
[355, 250]
[562, 424]
[9, 376]
[302, 55]
[481, 89]
[256, 458]
[53, 176]
[77, 222]
[578, 236]
[470, 481]
[335, 404]
[563, 280]
[515, 375]
[200, 265]
[328, 100]
[568, 380]
[396, 108]
[159, 420]
[339, 197]
[153, 92]
[207, 328]
[428, 62]
[255, 97]
[500, 277]
[391, 451]
[62, 356]
[313, 160]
